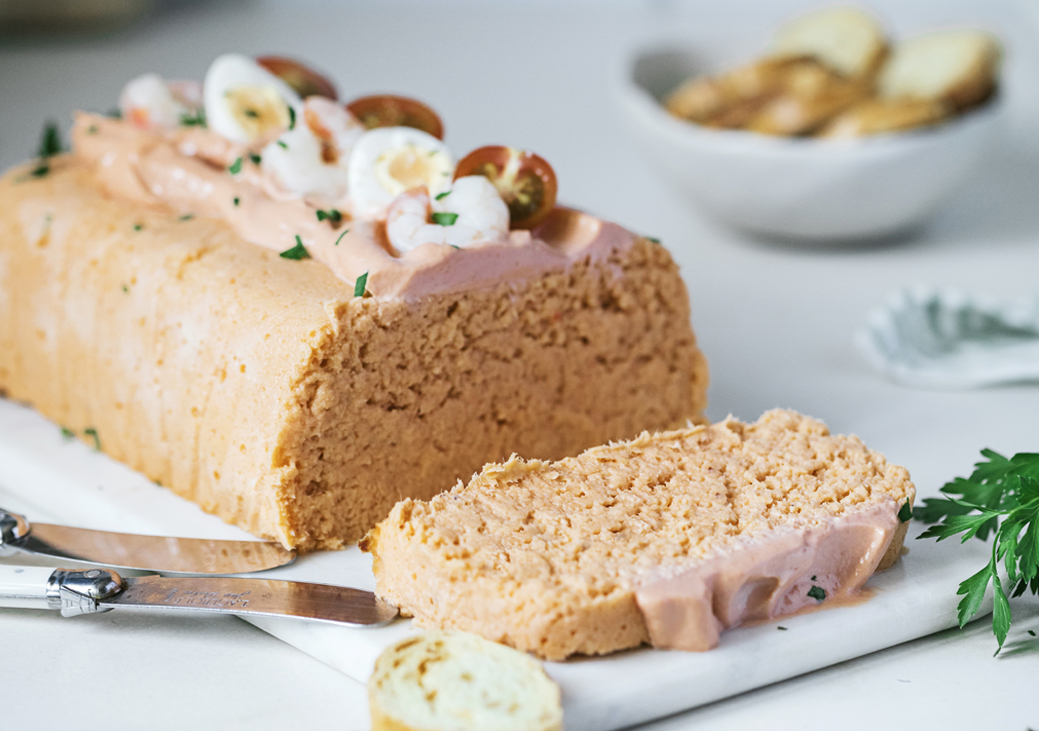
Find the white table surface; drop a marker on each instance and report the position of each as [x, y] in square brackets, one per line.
[775, 321]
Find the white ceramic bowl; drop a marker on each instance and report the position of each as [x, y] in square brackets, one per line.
[800, 188]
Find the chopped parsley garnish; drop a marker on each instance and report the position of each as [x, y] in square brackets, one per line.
[1001, 498]
[654, 240]
[114, 114]
[237, 200]
[456, 248]
[197, 119]
[332, 214]
[345, 232]
[1031, 632]
[92, 129]
[67, 433]
[360, 285]
[126, 289]
[444, 219]
[235, 167]
[92, 432]
[50, 144]
[186, 217]
[781, 627]
[905, 513]
[292, 118]
[441, 196]
[297, 252]
[282, 145]
[138, 226]
[817, 592]
[814, 577]
[252, 114]
[433, 152]
[255, 158]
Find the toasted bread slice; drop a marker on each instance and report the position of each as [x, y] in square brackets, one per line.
[454, 681]
[847, 39]
[729, 99]
[958, 67]
[811, 94]
[880, 116]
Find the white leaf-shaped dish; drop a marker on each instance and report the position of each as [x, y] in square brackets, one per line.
[945, 339]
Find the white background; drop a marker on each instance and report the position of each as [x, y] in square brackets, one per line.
[776, 322]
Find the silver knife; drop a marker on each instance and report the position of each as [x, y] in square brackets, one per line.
[91, 591]
[147, 553]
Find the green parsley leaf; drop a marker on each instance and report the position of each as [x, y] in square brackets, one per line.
[905, 513]
[252, 114]
[50, 143]
[444, 219]
[1000, 498]
[292, 117]
[138, 227]
[92, 432]
[237, 200]
[456, 248]
[781, 627]
[235, 167]
[196, 119]
[282, 145]
[817, 592]
[126, 289]
[114, 113]
[92, 129]
[186, 217]
[255, 158]
[67, 433]
[360, 285]
[654, 240]
[441, 196]
[1031, 632]
[331, 214]
[40, 170]
[297, 252]
[345, 232]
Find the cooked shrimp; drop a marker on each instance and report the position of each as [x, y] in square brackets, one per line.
[311, 158]
[473, 213]
[151, 102]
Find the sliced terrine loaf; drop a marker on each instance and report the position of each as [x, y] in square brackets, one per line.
[666, 539]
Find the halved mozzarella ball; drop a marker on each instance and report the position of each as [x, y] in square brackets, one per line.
[246, 103]
[148, 102]
[390, 160]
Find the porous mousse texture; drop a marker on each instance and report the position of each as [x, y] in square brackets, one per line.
[667, 539]
[264, 390]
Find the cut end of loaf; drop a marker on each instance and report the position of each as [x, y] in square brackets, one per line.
[562, 558]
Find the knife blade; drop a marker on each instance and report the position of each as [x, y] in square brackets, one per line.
[147, 553]
[92, 591]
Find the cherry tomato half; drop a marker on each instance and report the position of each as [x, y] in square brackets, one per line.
[304, 80]
[386, 110]
[526, 181]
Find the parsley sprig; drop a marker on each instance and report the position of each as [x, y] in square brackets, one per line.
[1000, 498]
[50, 145]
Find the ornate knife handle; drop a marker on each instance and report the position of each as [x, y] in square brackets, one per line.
[70, 591]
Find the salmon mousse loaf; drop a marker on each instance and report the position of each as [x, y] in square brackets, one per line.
[667, 539]
[296, 312]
